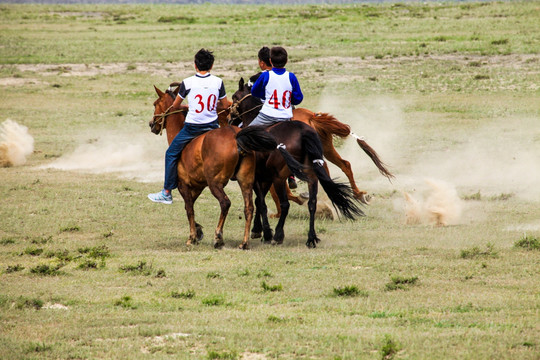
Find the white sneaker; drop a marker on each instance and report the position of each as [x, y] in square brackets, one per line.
[161, 197]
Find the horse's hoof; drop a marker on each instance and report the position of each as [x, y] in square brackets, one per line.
[311, 244]
[268, 236]
[364, 198]
[244, 246]
[274, 242]
[200, 234]
[218, 245]
[304, 196]
[256, 235]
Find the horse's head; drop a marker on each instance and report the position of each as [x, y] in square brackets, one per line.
[245, 107]
[164, 101]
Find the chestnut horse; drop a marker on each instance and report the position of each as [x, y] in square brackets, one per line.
[211, 159]
[245, 108]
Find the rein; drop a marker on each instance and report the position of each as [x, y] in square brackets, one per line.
[162, 118]
[234, 108]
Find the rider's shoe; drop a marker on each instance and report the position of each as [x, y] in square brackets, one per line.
[292, 182]
[161, 197]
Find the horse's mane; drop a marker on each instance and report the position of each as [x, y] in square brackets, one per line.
[254, 78]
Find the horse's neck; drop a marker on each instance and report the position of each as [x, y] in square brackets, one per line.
[249, 116]
[175, 123]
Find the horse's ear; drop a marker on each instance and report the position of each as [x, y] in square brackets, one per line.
[241, 84]
[159, 92]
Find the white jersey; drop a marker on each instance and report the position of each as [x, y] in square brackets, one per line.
[278, 94]
[203, 93]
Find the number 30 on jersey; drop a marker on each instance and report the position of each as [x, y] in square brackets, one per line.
[210, 103]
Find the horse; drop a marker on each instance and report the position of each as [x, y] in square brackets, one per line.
[212, 159]
[303, 143]
[245, 108]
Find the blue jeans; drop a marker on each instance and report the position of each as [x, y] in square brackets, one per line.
[188, 132]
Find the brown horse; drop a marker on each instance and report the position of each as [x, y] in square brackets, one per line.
[211, 160]
[245, 108]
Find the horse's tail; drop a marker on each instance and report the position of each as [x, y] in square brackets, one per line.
[255, 138]
[340, 194]
[374, 157]
[326, 125]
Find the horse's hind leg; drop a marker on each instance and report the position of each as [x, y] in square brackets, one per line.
[224, 204]
[332, 155]
[312, 206]
[279, 185]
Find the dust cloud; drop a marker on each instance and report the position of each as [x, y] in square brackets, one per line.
[500, 156]
[136, 156]
[15, 144]
[438, 205]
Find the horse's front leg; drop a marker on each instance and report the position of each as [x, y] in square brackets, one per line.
[189, 196]
[247, 194]
[261, 223]
[281, 190]
[256, 230]
[312, 206]
[297, 199]
[224, 204]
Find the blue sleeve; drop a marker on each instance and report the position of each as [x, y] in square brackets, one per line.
[297, 95]
[258, 89]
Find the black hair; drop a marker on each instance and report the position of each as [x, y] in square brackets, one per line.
[264, 55]
[278, 55]
[204, 60]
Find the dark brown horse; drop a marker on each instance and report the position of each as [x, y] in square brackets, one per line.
[245, 108]
[303, 143]
[211, 160]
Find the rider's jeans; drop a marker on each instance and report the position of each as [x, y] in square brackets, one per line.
[188, 132]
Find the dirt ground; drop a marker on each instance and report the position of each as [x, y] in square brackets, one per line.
[229, 68]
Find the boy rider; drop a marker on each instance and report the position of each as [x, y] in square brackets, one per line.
[278, 88]
[203, 91]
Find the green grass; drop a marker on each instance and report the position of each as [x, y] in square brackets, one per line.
[416, 79]
[528, 243]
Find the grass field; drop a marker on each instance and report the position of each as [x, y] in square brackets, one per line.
[91, 269]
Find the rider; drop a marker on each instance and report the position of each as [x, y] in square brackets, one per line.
[203, 91]
[264, 58]
[292, 89]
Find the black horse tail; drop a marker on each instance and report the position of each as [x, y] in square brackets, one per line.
[255, 138]
[296, 167]
[340, 194]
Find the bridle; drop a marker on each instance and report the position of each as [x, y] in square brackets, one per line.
[234, 109]
[162, 118]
